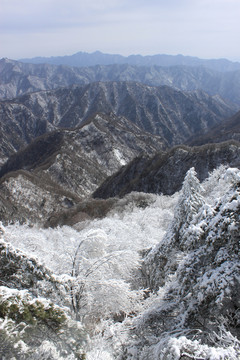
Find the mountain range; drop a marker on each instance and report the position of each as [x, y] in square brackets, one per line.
[119, 209]
[171, 114]
[99, 58]
[71, 163]
[19, 78]
[65, 130]
[164, 173]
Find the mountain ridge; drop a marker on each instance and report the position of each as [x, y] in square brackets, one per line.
[20, 78]
[69, 164]
[99, 58]
[228, 129]
[164, 172]
[172, 114]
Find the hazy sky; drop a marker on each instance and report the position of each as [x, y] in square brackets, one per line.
[202, 28]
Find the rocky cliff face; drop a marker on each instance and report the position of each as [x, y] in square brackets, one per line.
[164, 173]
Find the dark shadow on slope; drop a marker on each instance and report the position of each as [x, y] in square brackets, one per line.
[228, 129]
[164, 173]
[37, 153]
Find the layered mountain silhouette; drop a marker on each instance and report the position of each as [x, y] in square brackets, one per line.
[19, 78]
[171, 114]
[76, 140]
[99, 58]
[101, 146]
[70, 132]
[71, 164]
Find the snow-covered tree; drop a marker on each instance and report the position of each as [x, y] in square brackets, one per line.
[89, 270]
[190, 200]
[34, 317]
[156, 266]
[196, 312]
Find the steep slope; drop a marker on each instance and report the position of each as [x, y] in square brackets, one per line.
[226, 130]
[99, 58]
[164, 173]
[172, 114]
[57, 170]
[18, 78]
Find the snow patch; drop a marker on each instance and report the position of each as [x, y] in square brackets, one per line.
[119, 157]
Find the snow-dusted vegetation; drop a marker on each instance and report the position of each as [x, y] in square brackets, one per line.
[157, 278]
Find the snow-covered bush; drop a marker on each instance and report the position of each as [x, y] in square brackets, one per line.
[31, 327]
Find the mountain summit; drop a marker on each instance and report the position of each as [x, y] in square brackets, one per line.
[98, 58]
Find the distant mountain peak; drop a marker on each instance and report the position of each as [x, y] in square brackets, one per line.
[98, 58]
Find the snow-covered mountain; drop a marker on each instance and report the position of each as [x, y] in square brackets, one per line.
[164, 172]
[172, 114]
[110, 247]
[70, 164]
[19, 78]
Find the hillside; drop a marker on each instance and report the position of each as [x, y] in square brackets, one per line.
[228, 129]
[80, 292]
[164, 172]
[19, 78]
[70, 164]
[120, 209]
[195, 312]
[171, 114]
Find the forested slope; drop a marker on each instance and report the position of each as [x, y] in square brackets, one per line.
[139, 288]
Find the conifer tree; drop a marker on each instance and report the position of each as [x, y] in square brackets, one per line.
[189, 203]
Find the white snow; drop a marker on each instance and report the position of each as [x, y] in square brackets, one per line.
[102, 258]
[119, 157]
